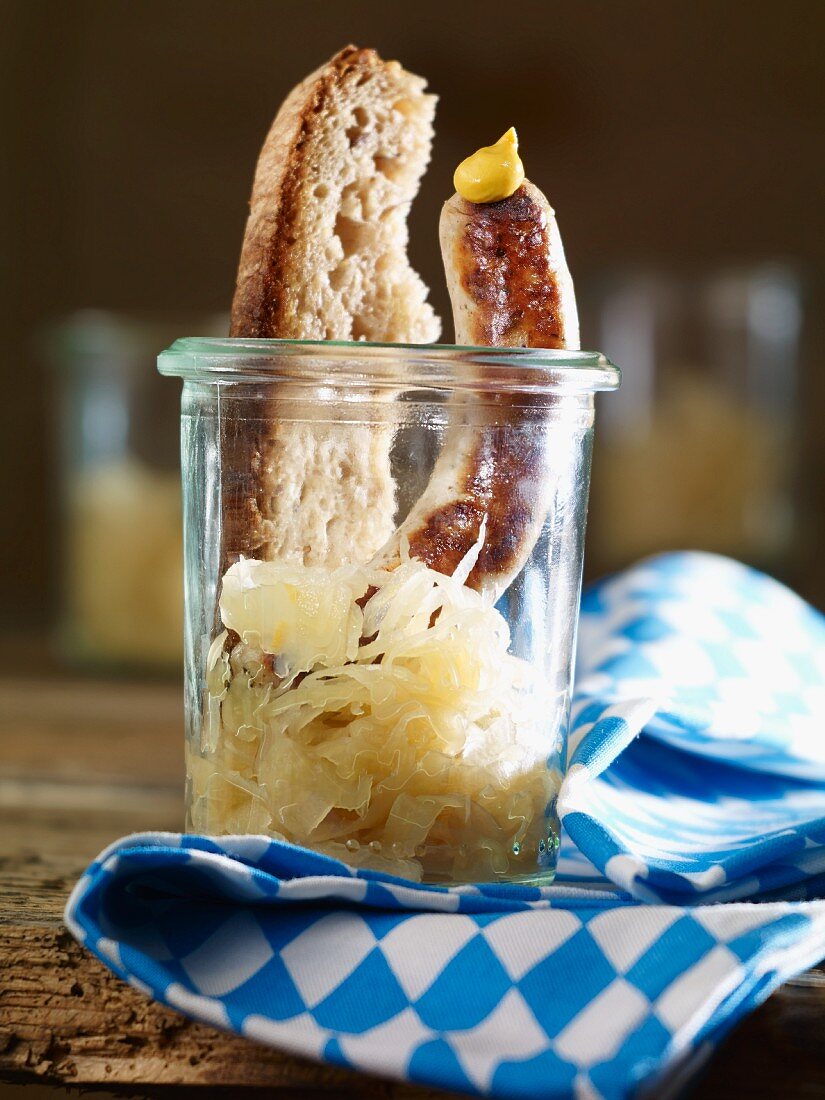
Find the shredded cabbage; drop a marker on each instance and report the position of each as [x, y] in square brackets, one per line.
[376, 716]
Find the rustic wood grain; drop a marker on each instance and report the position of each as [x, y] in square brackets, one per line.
[82, 764]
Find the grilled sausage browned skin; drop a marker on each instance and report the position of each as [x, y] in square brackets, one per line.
[510, 287]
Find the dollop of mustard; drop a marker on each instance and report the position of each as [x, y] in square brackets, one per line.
[492, 173]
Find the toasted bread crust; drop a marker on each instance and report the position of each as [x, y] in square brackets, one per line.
[261, 305]
[324, 257]
[258, 308]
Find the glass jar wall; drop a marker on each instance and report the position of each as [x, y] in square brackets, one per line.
[383, 555]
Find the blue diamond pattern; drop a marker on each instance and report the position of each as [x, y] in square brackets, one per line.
[368, 997]
[444, 1007]
[674, 796]
[678, 948]
[566, 982]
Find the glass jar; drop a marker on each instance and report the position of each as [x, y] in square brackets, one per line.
[383, 554]
[700, 449]
[119, 475]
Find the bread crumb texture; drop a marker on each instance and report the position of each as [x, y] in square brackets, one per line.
[325, 250]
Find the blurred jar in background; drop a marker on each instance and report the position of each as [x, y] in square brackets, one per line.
[699, 448]
[121, 552]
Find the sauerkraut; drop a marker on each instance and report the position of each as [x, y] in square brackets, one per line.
[376, 716]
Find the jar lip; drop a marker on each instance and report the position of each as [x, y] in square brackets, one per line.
[523, 370]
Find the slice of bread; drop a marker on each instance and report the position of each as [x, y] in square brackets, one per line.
[324, 257]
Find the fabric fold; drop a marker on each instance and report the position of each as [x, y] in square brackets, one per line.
[528, 992]
[696, 776]
[697, 761]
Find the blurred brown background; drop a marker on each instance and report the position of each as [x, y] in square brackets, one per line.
[685, 133]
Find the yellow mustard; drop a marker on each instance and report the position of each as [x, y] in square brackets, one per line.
[492, 173]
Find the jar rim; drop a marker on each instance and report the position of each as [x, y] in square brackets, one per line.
[361, 363]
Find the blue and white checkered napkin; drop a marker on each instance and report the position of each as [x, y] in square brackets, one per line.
[619, 976]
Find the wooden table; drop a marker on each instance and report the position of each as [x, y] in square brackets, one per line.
[82, 763]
